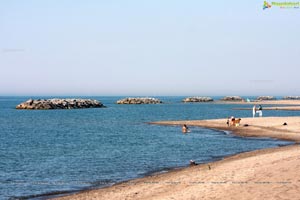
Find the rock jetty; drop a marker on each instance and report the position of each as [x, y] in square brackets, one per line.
[47, 104]
[265, 98]
[291, 98]
[232, 98]
[144, 100]
[197, 99]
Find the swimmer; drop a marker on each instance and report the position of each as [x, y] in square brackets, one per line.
[185, 129]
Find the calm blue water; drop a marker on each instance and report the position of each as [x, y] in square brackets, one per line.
[49, 151]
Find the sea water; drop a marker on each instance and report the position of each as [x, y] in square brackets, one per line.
[47, 152]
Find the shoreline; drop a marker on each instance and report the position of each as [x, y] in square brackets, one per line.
[215, 161]
[63, 194]
[272, 127]
[156, 186]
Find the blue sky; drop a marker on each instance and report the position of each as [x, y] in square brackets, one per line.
[138, 47]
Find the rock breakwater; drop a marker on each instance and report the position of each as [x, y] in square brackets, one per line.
[232, 98]
[265, 98]
[47, 104]
[291, 98]
[144, 100]
[197, 99]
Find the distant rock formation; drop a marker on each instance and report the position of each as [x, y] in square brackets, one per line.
[232, 98]
[139, 101]
[197, 99]
[47, 104]
[291, 98]
[265, 98]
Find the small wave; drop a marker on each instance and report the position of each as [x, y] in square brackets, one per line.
[160, 172]
[227, 132]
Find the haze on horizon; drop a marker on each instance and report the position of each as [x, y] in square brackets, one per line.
[154, 48]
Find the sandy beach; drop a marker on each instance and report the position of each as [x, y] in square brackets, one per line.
[262, 174]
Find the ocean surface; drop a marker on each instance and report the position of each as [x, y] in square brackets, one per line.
[48, 152]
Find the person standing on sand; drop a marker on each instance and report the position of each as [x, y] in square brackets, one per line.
[260, 110]
[253, 111]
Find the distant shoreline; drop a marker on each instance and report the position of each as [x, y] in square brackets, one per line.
[288, 108]
[265, 102]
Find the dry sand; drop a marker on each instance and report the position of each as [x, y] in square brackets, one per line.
[263, 174]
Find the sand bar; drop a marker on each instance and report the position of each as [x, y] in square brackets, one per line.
[263, 174]
[257, 127]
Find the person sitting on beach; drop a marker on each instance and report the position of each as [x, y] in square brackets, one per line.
[185, 129]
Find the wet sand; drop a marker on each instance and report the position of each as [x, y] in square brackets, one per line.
[263, 174]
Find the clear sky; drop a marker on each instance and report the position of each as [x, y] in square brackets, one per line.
[153, 47]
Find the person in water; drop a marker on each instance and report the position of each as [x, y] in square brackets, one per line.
[185, 129]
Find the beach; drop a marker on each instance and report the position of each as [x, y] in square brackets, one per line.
[126, 100]
[262, 174]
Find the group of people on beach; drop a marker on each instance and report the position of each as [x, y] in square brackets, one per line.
[232, 121]
[257, 110]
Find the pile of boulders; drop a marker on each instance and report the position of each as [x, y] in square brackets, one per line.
[197, 99]
[143, 100]
[232, 98]
[47, 104]
[291, 98]
[265, 98]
